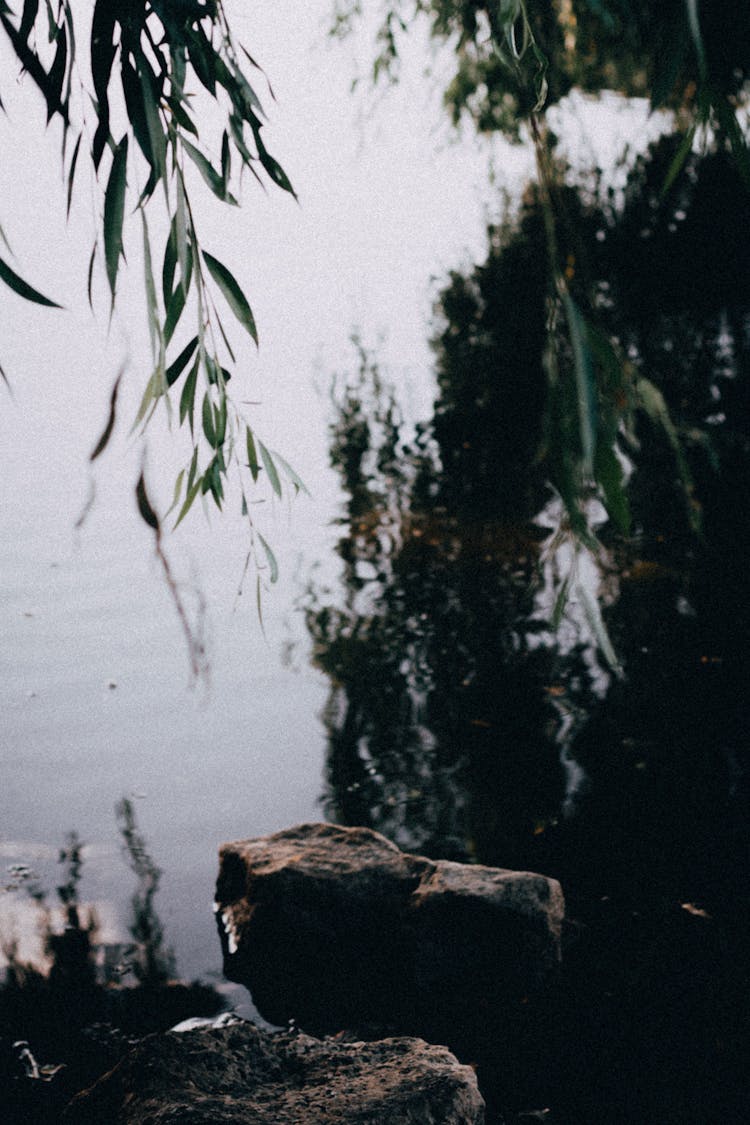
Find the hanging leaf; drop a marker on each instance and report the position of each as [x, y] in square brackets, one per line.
[270, 468]
[192, 492]
[585, 383]
[294, 477]
[561, 602]
[72, 172]
[610, 477]
[114, 210]
[57, 73]
[187, 398]
[144, 505]
[101, 445]
[22, 288]
[252, 457]
[176, 368]
[234, 296]
[103, 51]
[212, 178]
[209, 428]
[154, 327]
[273, 564]
[169, 264]
[90, 277]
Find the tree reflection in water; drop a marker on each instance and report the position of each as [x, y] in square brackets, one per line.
[452, 710]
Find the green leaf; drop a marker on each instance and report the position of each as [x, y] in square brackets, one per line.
[193, 469]
[144, 505]
[103, 51]
[107, 432]
[609, 475]
[154, 327]
[192, 492]
[294, 477]
[22, 288]
[169, 264]
[90, 277]
[252, 457]
[678, 160]
[114, 210]
[203, 57]
[157, 139]
[212, 178]
[695, 33]
[187, 398]
[154, 388]
[209, 428]
[72, 172]
[57, 72]
[174, 312]
[274, 566]
[234, 296]
[585, 383]
[181, 233]
[653, 402]
[270, 468]
[220, 416]
[561, 602]
[176, 493]
[181, 117]
[176, 368]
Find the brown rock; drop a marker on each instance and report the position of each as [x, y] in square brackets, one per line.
[336, 928]
[240, 1074]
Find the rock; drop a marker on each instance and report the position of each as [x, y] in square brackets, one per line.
[337, 928]
[241, 1074]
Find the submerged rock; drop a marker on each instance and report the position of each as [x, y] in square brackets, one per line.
[241, 1074]
[336, 927]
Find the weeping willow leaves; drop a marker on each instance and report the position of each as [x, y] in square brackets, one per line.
[154, 59]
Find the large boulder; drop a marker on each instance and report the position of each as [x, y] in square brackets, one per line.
[241, 1074]
[336, 928]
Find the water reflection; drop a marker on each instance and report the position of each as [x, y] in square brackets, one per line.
[455, 722]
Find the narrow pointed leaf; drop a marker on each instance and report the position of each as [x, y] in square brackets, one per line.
[101, 445]
[252, 456]
[22, 288]
[207, 415]
[585, 383]
[187, 398]
[270, 468]
[114, 210]
[294, 477]
[144, 505]
[72, 172]
[274, 566]
[176, 368]
[609, 475]
[192, 492]
[234, 296]
[176, 493]
[212, 178]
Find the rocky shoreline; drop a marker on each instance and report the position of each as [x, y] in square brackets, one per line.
[421, 991]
